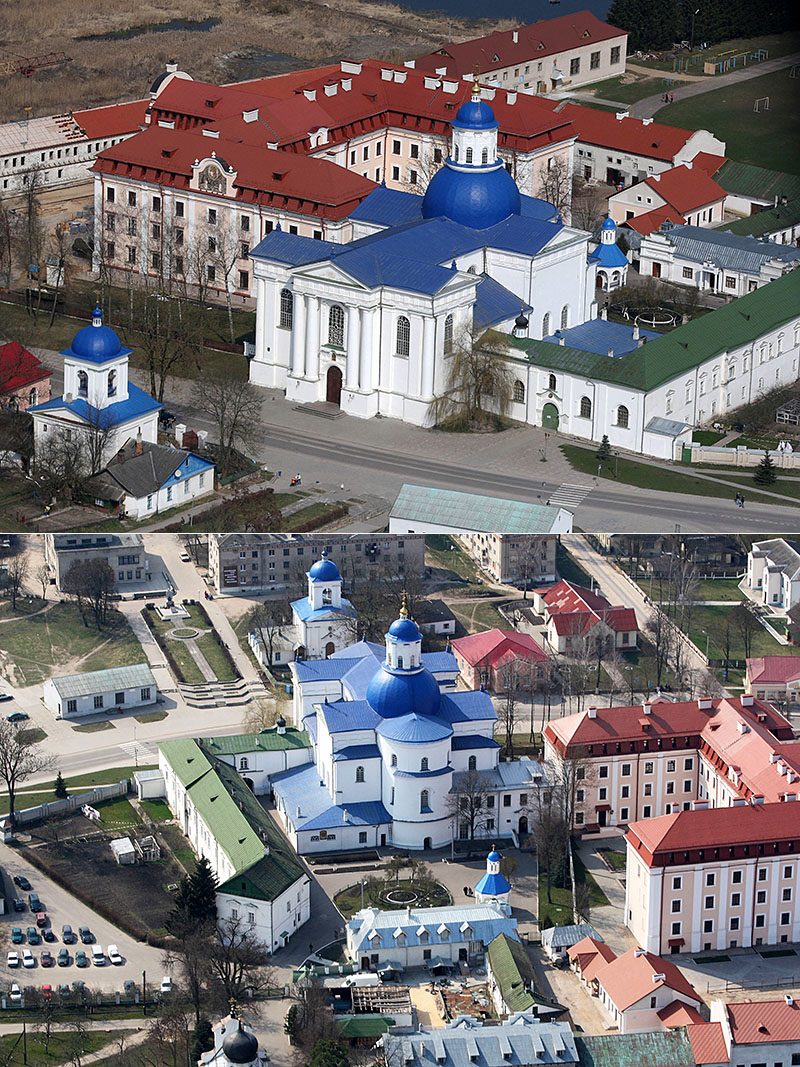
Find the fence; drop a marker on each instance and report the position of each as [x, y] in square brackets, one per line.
[60, 807]
[688, 644]
[740, 456]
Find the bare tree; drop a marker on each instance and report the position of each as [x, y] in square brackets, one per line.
[468, 804]
[6, 243]
[20, 759]
[479, 385]
[747, 626]
[29, 234]
[43, 578]
[16, 576]
[91, 583]
[509, 704]
[234, 405]
[588, 205]
[270, 620]
[554, 184]
[237, 960]
[260, 714]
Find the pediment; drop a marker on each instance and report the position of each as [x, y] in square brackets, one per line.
[329, 272]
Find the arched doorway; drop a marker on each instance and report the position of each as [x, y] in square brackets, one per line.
[330, 648]
[427, 843]
[523, 825]
[333, 390]
[249, 783]
[550, 417]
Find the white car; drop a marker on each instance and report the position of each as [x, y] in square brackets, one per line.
[15, 994]
[28, 959]
[114, 956]
[166, 984]
[185, 557]
[98, 956]
[13, 959]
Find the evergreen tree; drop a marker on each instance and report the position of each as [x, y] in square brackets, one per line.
[202, 1039]
[202, 893]
[291, 1023]
[328, 1054]
[765, 473]
[604, 451]
[60, 787]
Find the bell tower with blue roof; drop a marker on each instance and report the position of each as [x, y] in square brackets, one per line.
[96, 365]
[493, 885]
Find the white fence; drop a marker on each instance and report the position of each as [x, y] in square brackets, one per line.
[739, 456]
[60, 807]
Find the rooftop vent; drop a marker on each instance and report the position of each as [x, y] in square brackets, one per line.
[349, 67]
[742, 727]
[592, 713]
[449, 86]
[659, 978]
[332, 88]
[310, 94]
[347, 84]
[639, 952]
[386, 74]
[515, 36]
[431, 83]
[400, 76]
[623, 115]
[251, 115]
[647, 709]
[706, 704]
[511, 97]
[789, 999]
[774, 757]
[747, 700]
[646, 122]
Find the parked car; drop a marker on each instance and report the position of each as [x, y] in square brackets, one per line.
[34, 903]
[129, 987]
[81, 959]
[17, 936]
[64, 990]
[23, 883]
[19, 905]
[47, 992]
[98, 956]
[114, 956]
[13, 959]
[166, 984]
[68, 935]
[15, 994]
[86, 935]
[28, 959]
[17, 716]
[48, 935]
[185, 557]
[6, 696]
[63, 957]
[47, 958]
[33, 936]
[41, 918]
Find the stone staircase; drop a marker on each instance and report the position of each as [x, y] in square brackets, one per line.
[222, 694]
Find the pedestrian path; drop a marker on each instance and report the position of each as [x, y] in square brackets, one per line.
[569, 495]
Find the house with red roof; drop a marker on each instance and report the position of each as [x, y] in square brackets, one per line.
[548, 54]
[766, 1031]
[686, 190]
[576, 616]
[773, 677]
[494, 657]
[587, 956]
[24, 380]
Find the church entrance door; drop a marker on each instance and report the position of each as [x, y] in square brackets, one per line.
[523, 825]
[550, 417]
[330, 648]
[333, 392]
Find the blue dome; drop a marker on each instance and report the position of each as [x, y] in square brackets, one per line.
[324, 570]
[493, 857]
[404, 630]
[97, 342]
[475, 115]
[608, 224]
[414, 730]
[476, 199]
[392, 695]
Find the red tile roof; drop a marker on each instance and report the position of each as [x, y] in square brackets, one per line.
[686, 189]
[764, 1020]
[629, 978]
[567, 596]
[19, 367]
[574, 623]
[113, 120]
[651, 220]
[591, 955]
[678, 1013]
[603, 129]
[492, 647]
[767, 669]
[708, 1043]
[708, 163]
[748, 824]
[544, 37]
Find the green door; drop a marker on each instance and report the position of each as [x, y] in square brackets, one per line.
[550, 417]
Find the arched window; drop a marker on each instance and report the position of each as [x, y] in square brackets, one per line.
[83, 383]
[551, 383]
[403, 336]
[519, 392]
[565, 317]
[586, 407]
[13, 404]
[327, 596]
[485, 156]
[243, 765]
[394, 760]
[336, 325]
[423, 800]
[423, 763]
[448, 335]
[33, 397]
[546, 325]
[472, 763]
[468, 155]
[359, 774]
[455, 156]
[287, 309]
[622, 416]
[112, 383]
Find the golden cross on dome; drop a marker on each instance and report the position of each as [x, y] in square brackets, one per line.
[404, 608]
[476, 85]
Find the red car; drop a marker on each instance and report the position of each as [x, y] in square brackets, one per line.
[47, 992]
[47, 958]
[41, 918]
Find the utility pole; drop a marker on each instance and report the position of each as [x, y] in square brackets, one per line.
[144, 992]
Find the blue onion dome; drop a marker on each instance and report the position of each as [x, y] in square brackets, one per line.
[240, 1046]
[404, 628]
[97, 342]
[608, 224]
[391, 694]
[475, 114]
[476, 199]
[414, 729]
[324, 570]
[493, 857]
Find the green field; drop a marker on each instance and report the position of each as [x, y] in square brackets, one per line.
[705, 623]
[65, 1047]
[628, 91]
[777, 44]
[703, 589]
[768, 139]
[477, 615]
[205, 643]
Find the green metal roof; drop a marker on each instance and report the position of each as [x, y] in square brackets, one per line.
[767, 221]
[265, 741]
[736, 324]
[470, 511]
[220, 812]
[758, 182]
[513, 971]
[668, 1049]
[364, 1025]
[186, 760]
[107, 681]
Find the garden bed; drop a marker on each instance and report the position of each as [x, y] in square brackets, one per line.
[391, 896]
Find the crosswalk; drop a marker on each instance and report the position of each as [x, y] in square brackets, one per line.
[141, 751]
[569, 495]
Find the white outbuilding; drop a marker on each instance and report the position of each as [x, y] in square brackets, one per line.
[96, 692]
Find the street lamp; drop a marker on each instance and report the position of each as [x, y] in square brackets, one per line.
[691, 42]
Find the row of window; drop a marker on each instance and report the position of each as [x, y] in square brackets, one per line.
[648, 767]
[98, 701]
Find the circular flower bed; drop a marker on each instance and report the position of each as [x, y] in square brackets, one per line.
[392, 895]
[184, 633]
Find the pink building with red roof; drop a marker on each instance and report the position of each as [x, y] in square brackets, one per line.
[773, 677]
[24, 380]
[749, 1031]
[492, 658]
[684, 190]
[576, 616]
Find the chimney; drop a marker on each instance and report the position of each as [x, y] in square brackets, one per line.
[431, 82]
[641, 341]
[345, 816]
[347, 84]
[592, 713]
[202, 437]
[789, 999]
[67, 398]
[604, 314]
[638, 952]
[636, 332]
[172, 66]
[400, 76]
[562, 341]
[280, 726]
[611, 353]
[774, 757]
[515, 36]
[747, 700]
[348, 67]
[139, 443]
[647, 709]
[742, 727]
[706, 704]
[511, 96]
[659, 978]
[251, 115]
[331, 89]
[310, 94]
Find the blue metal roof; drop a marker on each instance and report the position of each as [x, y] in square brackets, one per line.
[726, 250]
[96, 343]
[388, 207]
[414, 729]
[535, 208]
[475, 115]
[598, 335]
[424, 774]
[323, 670]
[393, 694]
[468, 742]
[343, 715]
[306, 613]
[138, 403]
[324, 570]
[608, 255]
[405, 630]
[359, 649]
[193, 464]
[439, 662]
[474, 922]
[292, 249]
[475, 197]
[494, 303]
[493, 885]
[301, 788]
[468, 706]
[351, 752]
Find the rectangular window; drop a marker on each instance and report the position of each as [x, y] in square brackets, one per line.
[687, 272]
[736, 900]
[579, 796]
[72, 707]
[144, 693]
[156, 231]
[648, 789]
[437, 155]
[625, 792]
[155, 260]
[670, 787]
[787, 872]
[736, 877]
[760, 921]
[786, 894]
[623, 814]
[111, 222]
[730, 281]
[179, 264]
[676, 906]
[132, 227]
[507, 800]
[648, 767]
[396, 148]
[156, 203]
[735, 923]
[710, 902]
[711, 878]
[98, 701]
[602, 793]
[362, 837]
[111, 195]
[211, 274]
[131, 254]
[395, 174]
[594, 61]
[179, 209]
[626, 770]
[111, 250]
[575, 66]
[647, 811]
[615, 54]
[603, 772]
[244, 279]
[761, 896]
[687, 785]
[688, 763]
[131, 198]
[786, 918]
[708, 926]
[677, 882]
[670, 766]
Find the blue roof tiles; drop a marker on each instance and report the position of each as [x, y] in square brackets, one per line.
[495, 304]
[353, 752]
[306, 613]
[138, 403]
[388, 207]
[467, 742]
[344, 715]
[467, 706]
[600, 335]
[301, 788]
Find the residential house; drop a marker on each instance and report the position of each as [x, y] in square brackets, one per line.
[523, 560]
[510, 974]
[24, 380]
[588, 955]
[765, 1030]
[523, 1039]
[501, 659]
[576, 617]
[773, 678]
[779, 223]
[686, 190]
[435, 617]
[773, 573]
[117, 689]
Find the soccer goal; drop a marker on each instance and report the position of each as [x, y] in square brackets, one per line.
[761, 104]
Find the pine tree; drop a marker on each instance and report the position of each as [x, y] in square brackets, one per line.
[291, 1024]
[604, 451]
[765, 473]
[60, 787]
[201, 898]
[202, 1039]
[328, 1054]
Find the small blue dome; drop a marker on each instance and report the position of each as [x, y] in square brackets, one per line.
[392, 695]
[608, 224]
[414, 729]
[405, 629]
[97, 342]
[493, 857]
[476, 199]
[324, 570]
[475, 115]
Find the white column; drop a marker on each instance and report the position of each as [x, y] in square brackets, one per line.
[299, 336]
[365, 358]
[352, 346]
[312, 337]
[428, 355]
[265, 321]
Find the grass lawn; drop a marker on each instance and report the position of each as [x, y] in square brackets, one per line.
[706, 623]
[705, 588]
[32, 735]
[597, 898]
[432, 895]
[216, 658]
[109, 777]
[477, 615]
[768, 139]
[626, 91]
[39, 646]
[569, 568]
[614, 859]
[158, 810]
[63, 1047]
[706, 437]
[151, 716]
[94, 727]
[662, 479]
[761, 443]
[444, 551]
[558, 910]
[117, 812]
[81, 783]
[777, 44]
[790, 487]
[25, 606]
[639, 668]
[297, 520]
[25, 800]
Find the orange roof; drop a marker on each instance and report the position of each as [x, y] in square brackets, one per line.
[708, 1043]
[678, 1013]
[632, 976]
[651, 220]
[686, 189]
[652, 140]
[764, 1020]
[708, 162]
[495, 647]
[591, 955]
[19, 367]
[113, 120]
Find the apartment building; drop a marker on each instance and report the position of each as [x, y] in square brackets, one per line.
[715, 878]
[248, 564]
[523, 560]
[645, 761]
[124, 553]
